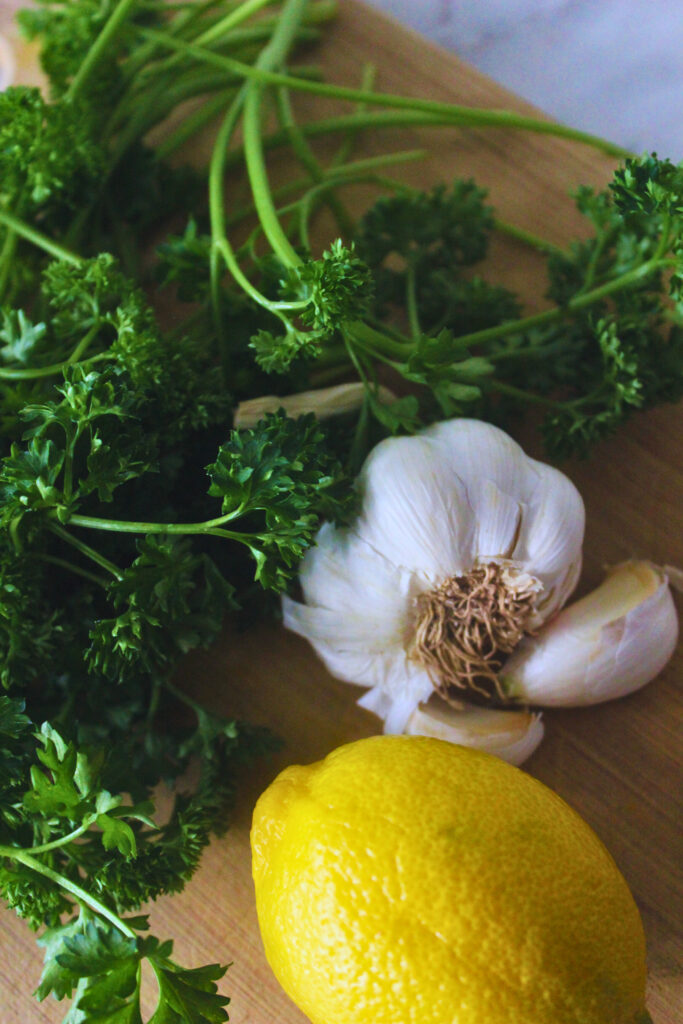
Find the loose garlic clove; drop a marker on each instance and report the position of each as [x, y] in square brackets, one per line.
[511, 735]
[324, 402]
[608, 644]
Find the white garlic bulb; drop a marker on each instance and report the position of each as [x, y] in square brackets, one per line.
[451, 579]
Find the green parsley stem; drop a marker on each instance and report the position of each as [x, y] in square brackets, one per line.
[157, 105]
[68, 467]
[527, 351]
[358, 445]
[332, 357]
[353, 173]
[665, 241]
[99, 47]
[338, 179]
[310, 163]
[235, 17]
[209, 526]
[221, 27]
[221, 31]
[193, 123]
[348, 142]
[65, 883]
[6, 256]
[271, 56]
[39, 239]
[36, 372]
[183, 697]
[344, 124]
[56, 843]
[411, 302]
[86, 550]
[601, 243]
[154, 700]
[138, 61]
[527, 237]
[63, 563]
[557, 313]
[377, 342]
[356, 173]
[525, 396]
[220, 246]
[455, 114]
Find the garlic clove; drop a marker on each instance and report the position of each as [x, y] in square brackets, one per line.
[551, 538]
[396, 707]
[355, 619]
[608, 644]
[463, 493]
[510, 735]
[324, 402]
[365, 592]
[416, 512]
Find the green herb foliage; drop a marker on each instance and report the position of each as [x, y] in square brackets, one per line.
[140, 301]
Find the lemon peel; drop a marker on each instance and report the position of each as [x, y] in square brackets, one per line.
[407, 879]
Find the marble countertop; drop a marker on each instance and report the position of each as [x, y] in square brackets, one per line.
[612, 67]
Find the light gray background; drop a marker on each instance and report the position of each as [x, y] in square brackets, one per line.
[612, 67]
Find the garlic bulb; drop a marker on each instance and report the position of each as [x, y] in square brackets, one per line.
[463, 545]
[606, 645]
[450, 585]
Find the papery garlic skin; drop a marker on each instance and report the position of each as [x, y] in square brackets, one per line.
[604, 646]
[459, 495]
[324, 402]
[511, 735]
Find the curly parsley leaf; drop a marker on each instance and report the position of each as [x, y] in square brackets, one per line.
[280, 353]
[335, 288]
[49, 154]
[22, 338]
[31, 628]
[169, 601]
[438, 228]
[280, 477]
[648, 185]
[449, 371]
[184, 261]
[281, 465]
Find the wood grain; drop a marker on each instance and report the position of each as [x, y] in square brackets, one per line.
[617, 764]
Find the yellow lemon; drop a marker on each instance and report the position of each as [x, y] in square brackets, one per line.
[405, 880]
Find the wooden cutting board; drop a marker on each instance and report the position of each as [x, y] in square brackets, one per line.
[618, 764]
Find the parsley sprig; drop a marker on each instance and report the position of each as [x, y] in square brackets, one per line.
[92, 953]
